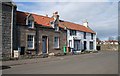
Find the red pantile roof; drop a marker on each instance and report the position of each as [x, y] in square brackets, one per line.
[45, 21]
[74, 26]
[39, 19]
[21, 17]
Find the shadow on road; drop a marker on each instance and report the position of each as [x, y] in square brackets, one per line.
[4, 67]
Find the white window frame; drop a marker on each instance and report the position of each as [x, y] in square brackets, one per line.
[33, 42]
[58, 42]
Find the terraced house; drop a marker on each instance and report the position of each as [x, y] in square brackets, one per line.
[36, 34]
[40, 34]
[80, 37]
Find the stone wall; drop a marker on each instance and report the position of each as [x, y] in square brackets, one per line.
[108, 47]
[9, 32]
[23, 30]
[50, 33]
[0, 29]
[6, 30]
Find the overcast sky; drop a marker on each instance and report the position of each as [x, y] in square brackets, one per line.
[102, 16]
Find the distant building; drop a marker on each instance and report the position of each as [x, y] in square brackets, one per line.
[108, 42]
[107, 45]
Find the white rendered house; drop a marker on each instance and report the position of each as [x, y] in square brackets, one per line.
[80, 37]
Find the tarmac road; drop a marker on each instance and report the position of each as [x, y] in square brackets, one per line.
[105, 62]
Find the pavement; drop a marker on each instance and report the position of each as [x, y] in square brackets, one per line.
[36, 60]
[93, 63]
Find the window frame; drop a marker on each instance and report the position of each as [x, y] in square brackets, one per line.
[28, 42]
[57, 41]
[32, 24]
[73, 33]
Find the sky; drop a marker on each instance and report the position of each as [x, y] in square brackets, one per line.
[102, 16]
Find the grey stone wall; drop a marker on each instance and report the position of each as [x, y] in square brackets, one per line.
[6, 30]
[0, 30]
[108, 47]
[23, 30]
[7, 34]
[50, 33]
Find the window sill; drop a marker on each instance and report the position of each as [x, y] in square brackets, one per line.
[31, 49]
[57, 31]
[57, 48]
[31, 28]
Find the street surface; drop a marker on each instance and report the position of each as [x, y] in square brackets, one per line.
[105, 62]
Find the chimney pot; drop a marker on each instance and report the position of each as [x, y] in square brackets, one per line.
[85, 23]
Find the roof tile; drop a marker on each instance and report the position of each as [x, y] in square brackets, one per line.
[45, 21]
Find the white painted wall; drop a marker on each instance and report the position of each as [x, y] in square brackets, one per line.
[80, 36]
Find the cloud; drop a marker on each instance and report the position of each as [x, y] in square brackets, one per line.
[65, 0]
[102, 16]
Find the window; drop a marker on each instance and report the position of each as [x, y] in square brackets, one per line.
[30, 41]
[77, 45]
[56, 42]
[30, 23]
[72, 32]
[92, 36]
[84, 35]
[56, 27]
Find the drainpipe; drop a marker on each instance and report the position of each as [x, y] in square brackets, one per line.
[12, 31]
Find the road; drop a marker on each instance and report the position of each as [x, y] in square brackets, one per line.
[93, 63]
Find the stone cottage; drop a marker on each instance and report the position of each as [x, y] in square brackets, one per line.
[39, 34]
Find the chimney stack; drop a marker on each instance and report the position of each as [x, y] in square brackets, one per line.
[85, 23]
[46, 15]
[55, 15]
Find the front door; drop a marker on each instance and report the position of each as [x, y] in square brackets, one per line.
[44, 44]
[85, 45]
[91, 45]
[77, 45]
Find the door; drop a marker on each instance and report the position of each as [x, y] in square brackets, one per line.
[77, 45]
[44, 44]
[85, 45]
[91, 45]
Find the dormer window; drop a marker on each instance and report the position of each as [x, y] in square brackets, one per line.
[30, 24]
[30, 21]
[56, 27]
